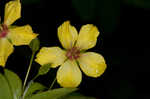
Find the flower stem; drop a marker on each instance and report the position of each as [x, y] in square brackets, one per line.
[31, 60]
[28, 86]
[36, 77]
[26, 89]
[52, 84]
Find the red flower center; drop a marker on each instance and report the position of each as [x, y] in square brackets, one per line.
[3, 30]
[73, 53]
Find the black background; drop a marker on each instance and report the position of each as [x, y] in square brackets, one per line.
[125, 47]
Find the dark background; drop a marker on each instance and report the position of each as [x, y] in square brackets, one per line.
[124, 42]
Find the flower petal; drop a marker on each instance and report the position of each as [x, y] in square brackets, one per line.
[12, 12]
[92, 64]
[53, 55]
[69, 74]
[21, 35]
[67, 35]
[6, 48]
[87, 37]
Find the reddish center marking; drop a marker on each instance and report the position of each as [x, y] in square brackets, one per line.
[3, 30]
[73, 53]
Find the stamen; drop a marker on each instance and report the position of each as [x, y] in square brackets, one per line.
[3, 30]
[73, 53]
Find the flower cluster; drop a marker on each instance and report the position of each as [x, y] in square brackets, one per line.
[71, 59]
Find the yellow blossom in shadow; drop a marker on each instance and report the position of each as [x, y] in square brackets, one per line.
[91, 63]
[13, 35]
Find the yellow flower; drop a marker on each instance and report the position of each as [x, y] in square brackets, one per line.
[91, 63]
[13, 35]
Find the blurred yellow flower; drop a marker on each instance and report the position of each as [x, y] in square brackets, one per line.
[13, 35]
[91, 63]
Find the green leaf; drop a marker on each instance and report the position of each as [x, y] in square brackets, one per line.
[14, 82]
[34, 87]
[54, 94]
[5, 92]
[76, 96]
[35, 44]
[44, 69]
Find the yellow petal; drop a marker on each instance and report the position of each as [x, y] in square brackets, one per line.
[6, 48]
[21, 35]
[53, 55]
[12, 12]
[92, 64]
[69, 74]
[67, 35]
[87, 37]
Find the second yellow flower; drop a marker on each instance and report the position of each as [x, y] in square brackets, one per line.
[91, 63]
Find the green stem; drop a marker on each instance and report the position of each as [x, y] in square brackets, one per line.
[26, 89]
[36, 77]
[52, 84]
[28, 85]
[31, 60]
